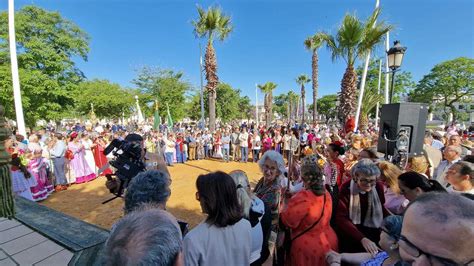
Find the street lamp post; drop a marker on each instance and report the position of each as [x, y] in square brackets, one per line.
[395, 58]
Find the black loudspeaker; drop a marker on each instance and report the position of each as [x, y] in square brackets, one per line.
[402, 128]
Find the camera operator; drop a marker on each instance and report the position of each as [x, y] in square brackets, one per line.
[131, 161]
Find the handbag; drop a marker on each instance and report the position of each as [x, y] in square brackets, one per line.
[284, 240]
[69, 154]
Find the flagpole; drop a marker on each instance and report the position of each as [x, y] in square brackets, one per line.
[378, 93]
[256, 104]
[20, 120]
[387, 71]
[362, 82]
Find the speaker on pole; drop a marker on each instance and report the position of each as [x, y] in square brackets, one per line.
[402, 128]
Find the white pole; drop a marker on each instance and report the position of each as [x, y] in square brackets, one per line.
[378, 93]
[387, 77]
[20, 121]
[256, 104]
[362, 82]
[139, 111]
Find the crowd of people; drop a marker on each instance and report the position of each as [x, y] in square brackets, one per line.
[325, 197]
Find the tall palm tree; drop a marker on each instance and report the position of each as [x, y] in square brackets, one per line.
[301, 80]
[212, 23]
[353, 40]
[292, 102]
[268, 88]
[313, 43]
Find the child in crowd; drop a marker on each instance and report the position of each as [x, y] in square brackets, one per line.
[22, 180]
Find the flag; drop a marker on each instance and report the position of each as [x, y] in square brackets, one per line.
[157, 118]
[169, 119]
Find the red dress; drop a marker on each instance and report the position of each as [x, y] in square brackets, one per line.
[304, 209]
[100, 159]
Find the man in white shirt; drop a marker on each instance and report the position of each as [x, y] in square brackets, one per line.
[452, 154]
[244, 145]
[206, 139]
[455, 140]
[461, 178]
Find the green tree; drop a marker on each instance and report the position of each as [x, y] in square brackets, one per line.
[268, 88]
[109, 99]
[302, 80]
[280, 104]
[246, 109]
[47, 44]
[447, 83]
[369, 103]
[327, 105]
[313, 43]
[229, 104]
[209, 24]
[353, 40]
[403, 81]
[165, 86]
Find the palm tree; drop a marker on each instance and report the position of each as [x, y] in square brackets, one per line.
[353, 40]
[369, 102]
[292, 101]
[268, 88]
[211, 23]
[301, 80]
[313, 43]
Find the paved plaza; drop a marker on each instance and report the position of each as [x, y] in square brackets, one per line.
[19, 245]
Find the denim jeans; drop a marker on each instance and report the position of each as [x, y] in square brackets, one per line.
[256, 155]
[206, 151]
[245, 154]
[59, 171]
[225, 154]
[169, 158]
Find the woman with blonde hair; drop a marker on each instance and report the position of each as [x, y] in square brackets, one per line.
[418, 164]
[357, 142]
[394, 202]
[366, 142]
[352, 156]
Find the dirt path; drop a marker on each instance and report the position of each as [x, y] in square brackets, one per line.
[84, 201]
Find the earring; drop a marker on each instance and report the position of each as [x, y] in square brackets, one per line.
[394, 246]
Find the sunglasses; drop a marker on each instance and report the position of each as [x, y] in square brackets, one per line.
[368, 181]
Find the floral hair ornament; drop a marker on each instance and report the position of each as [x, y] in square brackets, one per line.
[310, 161]
[73, 135]
[339, 143]
[312, 173]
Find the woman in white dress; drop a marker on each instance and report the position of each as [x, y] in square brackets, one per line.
[217, 152]
[89, 155]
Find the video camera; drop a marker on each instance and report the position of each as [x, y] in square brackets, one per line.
[128, 163]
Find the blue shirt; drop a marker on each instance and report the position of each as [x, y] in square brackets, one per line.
[437, 144]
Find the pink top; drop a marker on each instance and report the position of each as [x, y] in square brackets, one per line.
[394, 202]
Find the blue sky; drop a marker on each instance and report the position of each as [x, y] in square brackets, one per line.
[267, 42]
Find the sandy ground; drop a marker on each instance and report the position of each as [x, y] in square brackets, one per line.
[84, 201]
